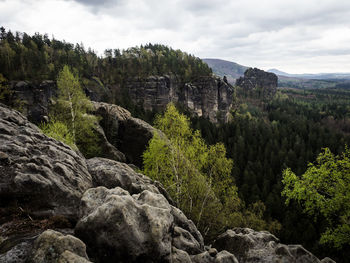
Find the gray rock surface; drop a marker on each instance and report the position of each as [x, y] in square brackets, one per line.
[35, 99]
[221, 257]
[129, 135]
[251, 246]
[107, 149]
[119, 227]
[18, 253]
[52, 246]
[110, 174]
[209, 97]
[260, 81]
[40, 174]
[142, 227]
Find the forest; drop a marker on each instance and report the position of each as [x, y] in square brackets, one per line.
[264, 137]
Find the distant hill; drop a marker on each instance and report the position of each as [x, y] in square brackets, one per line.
[226, 68]
[323, 76]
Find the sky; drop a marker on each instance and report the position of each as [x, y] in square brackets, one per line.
[295, 36]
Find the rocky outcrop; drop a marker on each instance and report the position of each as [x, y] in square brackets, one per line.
[34, 99]
[119, 227]
[38, 173]
[262, 82]
[251, 246]
[111, 174]
[52, 246]
[107, 149]
[209, 97]
[130, 135]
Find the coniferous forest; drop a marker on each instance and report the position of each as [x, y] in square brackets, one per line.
[263, 138]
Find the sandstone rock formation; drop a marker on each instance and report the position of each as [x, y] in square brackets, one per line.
[209, 97]
[38, 173]
[52, 246]
[251, 246]
[130, 135]
[35, 99]
[111, 174]
[262, 82]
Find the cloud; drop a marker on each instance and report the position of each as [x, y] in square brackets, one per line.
[293, 35]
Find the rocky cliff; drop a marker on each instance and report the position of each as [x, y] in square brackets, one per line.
[56, 206]
[262, 82]
[209, 97]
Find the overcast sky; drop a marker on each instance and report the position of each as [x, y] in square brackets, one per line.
[296, 36]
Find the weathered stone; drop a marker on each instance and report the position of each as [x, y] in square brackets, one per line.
[209, 97]
[221, 257]
[35, 99]
[179, 256]
[53, 246]
[107, 149]
[251, 246]
[225, 257]
[117, 226]
[18, 253]
[42, 175]
[69, 257]
[185, 241]
[110, 174]
[327, 260]
[181, 220]
[265, 83]
[129, 135]
[212, 251]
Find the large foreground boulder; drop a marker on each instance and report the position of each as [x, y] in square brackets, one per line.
[37, 173]
[144, 227]
[252, 246]
[117, 226]
[110, 174]
[52, 246]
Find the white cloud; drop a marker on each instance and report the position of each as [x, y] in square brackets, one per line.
[292, 35]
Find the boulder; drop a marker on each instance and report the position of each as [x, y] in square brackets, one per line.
[52, 246]
[110, 174]
[39, 174]
[107, 149]
[253, 246]
[143, 227]
[17, 253]
[129, 135]
[119, 227]
[221, 257]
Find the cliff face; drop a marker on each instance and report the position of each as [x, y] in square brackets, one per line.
[208, 96]
[258, 80]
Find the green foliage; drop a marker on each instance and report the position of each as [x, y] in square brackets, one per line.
[5, 92]
[71, 108]
[324, 189]
[197, 176]
[59, 131]
[38, 58]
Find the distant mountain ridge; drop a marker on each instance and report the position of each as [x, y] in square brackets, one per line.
[311, 76]
[226, 68]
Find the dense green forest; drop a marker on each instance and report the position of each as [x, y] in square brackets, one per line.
[37, 58]
[264, 137]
